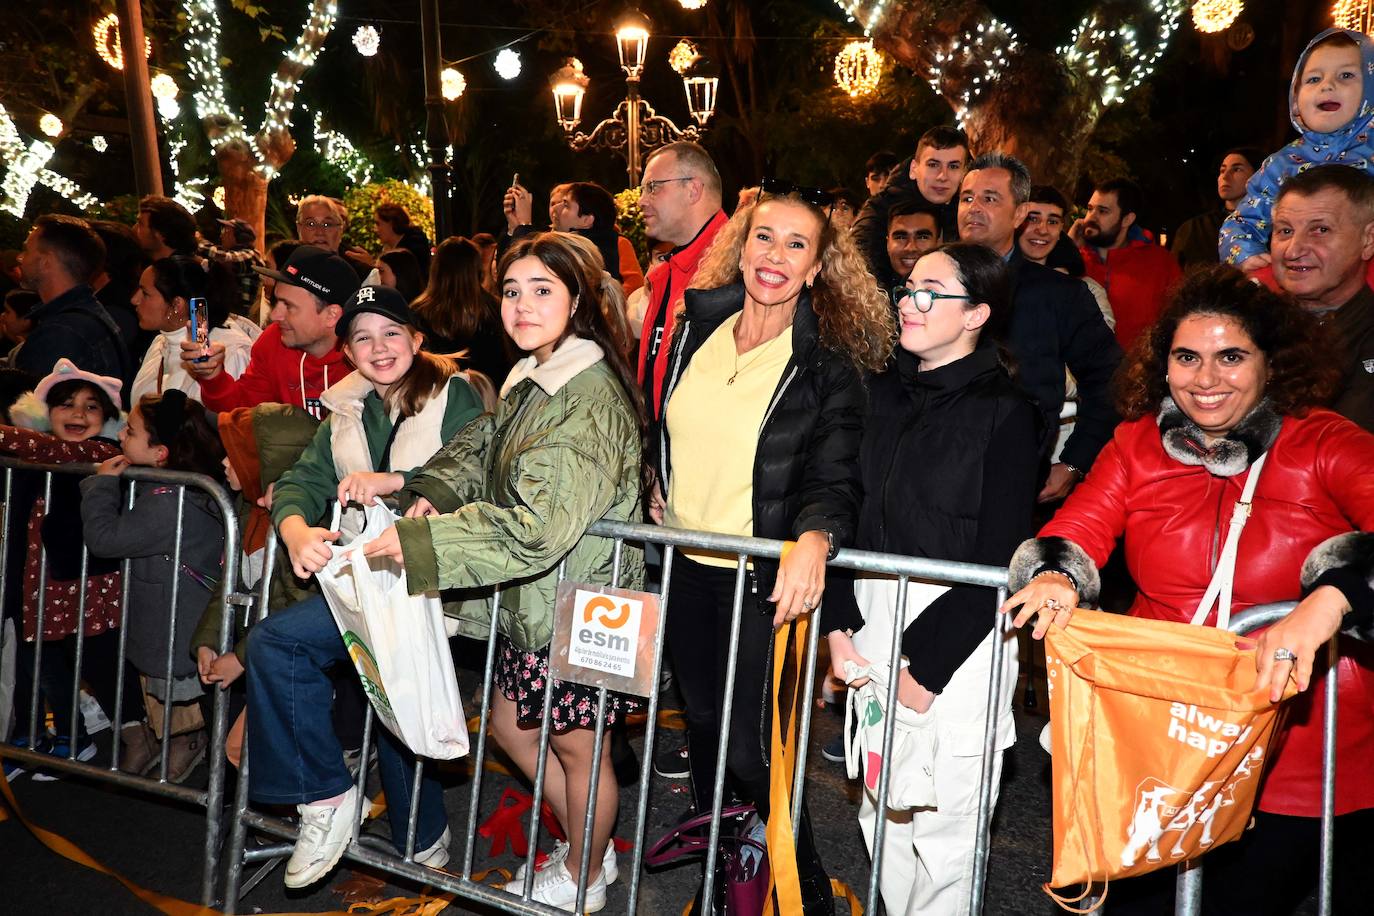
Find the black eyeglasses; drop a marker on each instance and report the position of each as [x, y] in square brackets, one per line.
[923, 299]
[781, 187]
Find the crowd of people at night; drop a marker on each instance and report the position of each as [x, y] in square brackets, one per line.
[959, 363]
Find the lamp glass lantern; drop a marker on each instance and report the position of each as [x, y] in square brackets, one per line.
[701, 96]
[567, 104]
[632, 43]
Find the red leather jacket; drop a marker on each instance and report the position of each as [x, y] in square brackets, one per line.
[1318, 481]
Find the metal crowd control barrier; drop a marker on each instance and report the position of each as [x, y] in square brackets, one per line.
[378, 854]
[210, 798]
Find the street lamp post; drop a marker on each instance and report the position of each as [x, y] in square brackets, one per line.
[634, 129]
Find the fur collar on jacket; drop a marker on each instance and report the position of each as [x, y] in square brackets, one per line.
[1230, 455]
[572, 356]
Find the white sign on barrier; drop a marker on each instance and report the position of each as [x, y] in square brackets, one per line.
[605, 637]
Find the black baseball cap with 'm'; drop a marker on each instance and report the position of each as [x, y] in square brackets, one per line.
[322, 272]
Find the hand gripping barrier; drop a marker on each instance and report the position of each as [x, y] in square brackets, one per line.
[464, 884]
[30, 726]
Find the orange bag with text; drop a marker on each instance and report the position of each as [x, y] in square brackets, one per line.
[1157, 743]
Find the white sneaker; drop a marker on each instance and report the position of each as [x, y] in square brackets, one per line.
[324, 835]
[435, 856]
[610, 869]
[554, 885]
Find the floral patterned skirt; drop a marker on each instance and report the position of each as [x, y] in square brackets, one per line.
[521, 675]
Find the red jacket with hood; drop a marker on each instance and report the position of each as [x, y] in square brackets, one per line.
[1137, 277]
[668, 279]
[277, 374]
[1317, 482]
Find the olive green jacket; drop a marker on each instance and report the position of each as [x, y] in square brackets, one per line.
[517, 490]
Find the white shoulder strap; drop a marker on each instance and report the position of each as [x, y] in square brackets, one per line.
[1219, 590]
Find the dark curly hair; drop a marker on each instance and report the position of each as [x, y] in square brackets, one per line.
[1297, 348]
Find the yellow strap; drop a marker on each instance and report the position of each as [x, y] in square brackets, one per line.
[783, 878]
[425, 905]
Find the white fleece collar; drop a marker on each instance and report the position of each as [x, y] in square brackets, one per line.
[347, 396]
[572, 356]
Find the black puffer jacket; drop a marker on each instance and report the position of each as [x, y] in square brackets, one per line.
[806, 471]
[949, 462]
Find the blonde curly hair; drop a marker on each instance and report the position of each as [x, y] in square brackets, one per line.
[854, 315]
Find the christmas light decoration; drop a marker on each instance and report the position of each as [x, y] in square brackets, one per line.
[683, 55]
[1353, 14]
[858, 67]
[99, 143]
[27, 166]
[1114, 55]
[163, 86]
[1216, 15]
[169, 108]
[367, 40]
[50, 124]
[853, 10]
[272, 143]
[340, 152]
[107, 44]
[507, 64]
[692, 4]
[452, 84]
[218, 198]
[974, 60]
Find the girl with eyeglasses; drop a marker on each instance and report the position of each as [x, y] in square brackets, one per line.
[764, 409]
[948, 467]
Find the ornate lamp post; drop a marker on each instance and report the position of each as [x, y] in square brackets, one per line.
[634, 129]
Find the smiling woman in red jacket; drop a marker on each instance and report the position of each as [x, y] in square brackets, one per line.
[1232, 372]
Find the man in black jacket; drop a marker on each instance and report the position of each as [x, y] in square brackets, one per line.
[1055, 322]
[61, 256]
[930, 177]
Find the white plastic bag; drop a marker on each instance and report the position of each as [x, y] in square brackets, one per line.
[398, 644]
[914, 741]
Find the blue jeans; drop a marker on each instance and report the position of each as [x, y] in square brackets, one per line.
[296, 757]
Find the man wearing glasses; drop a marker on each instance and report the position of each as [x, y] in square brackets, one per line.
[320, 221]
[680, 198]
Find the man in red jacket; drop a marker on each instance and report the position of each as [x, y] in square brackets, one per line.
[298, 355]
[680, 198]
[1135, 271]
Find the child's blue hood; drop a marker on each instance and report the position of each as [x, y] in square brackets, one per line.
[1358, 124]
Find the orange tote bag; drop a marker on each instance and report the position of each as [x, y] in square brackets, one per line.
[1157, 744]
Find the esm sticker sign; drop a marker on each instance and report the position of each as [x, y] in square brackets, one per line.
[605, 637]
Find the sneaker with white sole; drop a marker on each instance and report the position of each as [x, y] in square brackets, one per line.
[610, 868]
[556, 886]
[671, 761]
[62, 748]
[324, 834]
[435, 856]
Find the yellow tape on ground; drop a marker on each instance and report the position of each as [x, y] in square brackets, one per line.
[425, 905]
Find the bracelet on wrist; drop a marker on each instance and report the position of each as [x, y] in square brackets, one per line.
[1052, 571]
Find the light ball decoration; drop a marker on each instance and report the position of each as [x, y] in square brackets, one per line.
[367, 41]
[107, 43]
[218, 198]
[692, 4]
[168, 108]
[684, 54]
[507, 64]
[50, 124]
[163, 86]
[1353, 14]
[452, 84]
[99, 143]
[1212, 16]
[858, 67]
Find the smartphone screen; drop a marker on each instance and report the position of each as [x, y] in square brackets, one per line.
[199, 327]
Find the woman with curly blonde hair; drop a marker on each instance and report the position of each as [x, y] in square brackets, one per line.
[763, 413]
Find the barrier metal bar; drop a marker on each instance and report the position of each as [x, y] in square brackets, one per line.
[74, 744]
[1188, 888]
[541, 765]
[211, 798]
[166, 755]
[508, 901]
[889, 733]
[982, 842]
[117, 718]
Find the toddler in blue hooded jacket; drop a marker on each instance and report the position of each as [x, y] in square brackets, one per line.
[1331, 104]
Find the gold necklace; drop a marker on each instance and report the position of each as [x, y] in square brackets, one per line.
[757, 357]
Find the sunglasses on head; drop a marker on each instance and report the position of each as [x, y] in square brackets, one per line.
[781, 187]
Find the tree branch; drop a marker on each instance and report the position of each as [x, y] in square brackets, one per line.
[273, 140]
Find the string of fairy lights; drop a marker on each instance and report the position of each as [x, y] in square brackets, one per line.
[1117, 56]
